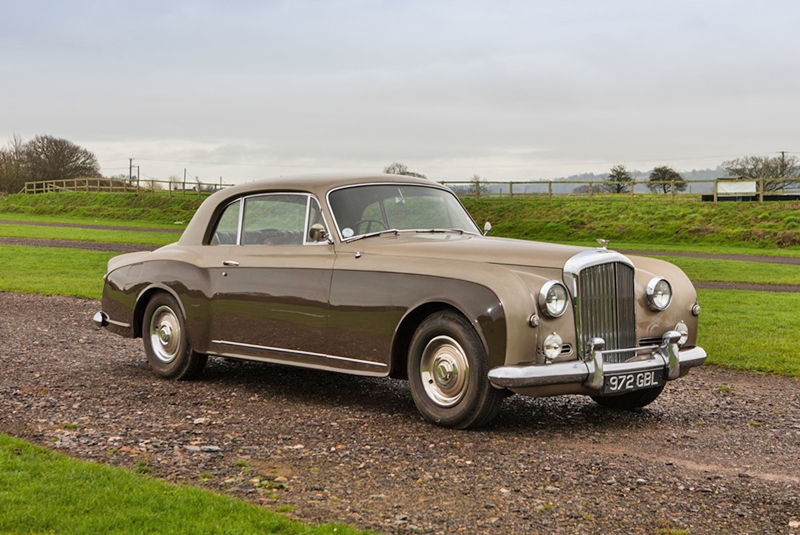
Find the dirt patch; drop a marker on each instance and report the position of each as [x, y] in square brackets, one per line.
[766, 259]
[97, 227]
[355, 450]
[74, 244]
[708, 285]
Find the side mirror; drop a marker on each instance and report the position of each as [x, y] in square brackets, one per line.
[317, 233]
[486, 228]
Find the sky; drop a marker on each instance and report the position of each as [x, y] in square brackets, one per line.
[245, 90]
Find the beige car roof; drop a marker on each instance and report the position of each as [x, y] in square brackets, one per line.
[316, 184]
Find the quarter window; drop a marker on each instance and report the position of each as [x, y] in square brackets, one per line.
[227, 226]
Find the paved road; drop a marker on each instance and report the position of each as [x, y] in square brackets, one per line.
[718, 452]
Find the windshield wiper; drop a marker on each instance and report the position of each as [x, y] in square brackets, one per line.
[436, 230]
[371, 234]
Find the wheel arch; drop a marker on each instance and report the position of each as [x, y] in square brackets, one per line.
[409, 324]
[143, 298]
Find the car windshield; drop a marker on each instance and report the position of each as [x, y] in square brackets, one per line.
[360, 210]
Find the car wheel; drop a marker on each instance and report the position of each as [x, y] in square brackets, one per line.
[447, 373]
[632, 400]
[166, 341]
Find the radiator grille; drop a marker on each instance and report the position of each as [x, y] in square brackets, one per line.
[607, 307]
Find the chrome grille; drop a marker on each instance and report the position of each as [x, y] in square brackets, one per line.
[607, 307]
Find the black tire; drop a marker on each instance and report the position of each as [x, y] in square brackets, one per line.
[630, 401]
[166, 341]
[462, 398]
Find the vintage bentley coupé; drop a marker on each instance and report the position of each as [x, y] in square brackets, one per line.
[389, 276]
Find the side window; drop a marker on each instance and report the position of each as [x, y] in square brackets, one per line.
[227, 226]
[275, 219]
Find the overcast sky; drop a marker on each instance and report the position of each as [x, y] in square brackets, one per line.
[507, 90]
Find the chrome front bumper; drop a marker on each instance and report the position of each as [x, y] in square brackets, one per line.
[100, 319]
[591, 373]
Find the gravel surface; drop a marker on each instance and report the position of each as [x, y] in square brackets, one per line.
[718, 452]
[77, 225]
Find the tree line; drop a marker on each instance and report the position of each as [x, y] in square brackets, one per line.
[44, 158]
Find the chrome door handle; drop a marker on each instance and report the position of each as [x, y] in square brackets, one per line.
[230, 263]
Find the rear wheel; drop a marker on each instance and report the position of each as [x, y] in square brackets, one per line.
[630, 401]
[447, 373]
[166, 341]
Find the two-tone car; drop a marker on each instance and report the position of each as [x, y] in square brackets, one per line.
[387, 275]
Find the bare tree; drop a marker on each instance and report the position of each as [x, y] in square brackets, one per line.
[618, 180]
[400, 169]
[663, 179]
[12, 170]
[783, 170]
[48, 157]
[479, 184]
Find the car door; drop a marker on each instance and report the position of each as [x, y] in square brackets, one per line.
[271, 291]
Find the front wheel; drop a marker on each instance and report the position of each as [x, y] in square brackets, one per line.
[447, 373]
[166, 341]
[630, 401]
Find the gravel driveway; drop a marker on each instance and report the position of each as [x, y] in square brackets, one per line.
[719, 452]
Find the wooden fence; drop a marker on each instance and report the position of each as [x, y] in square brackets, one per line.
[112, 185]
[762, 189]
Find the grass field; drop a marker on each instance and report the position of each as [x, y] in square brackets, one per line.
[44, 492]
[704, 269]
[53, 271]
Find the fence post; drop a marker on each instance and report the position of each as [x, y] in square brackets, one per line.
[510, 190]
[716, 182]
[591, 190]
[633, 186]
[760, 190]
[550, 190]
[672, 189]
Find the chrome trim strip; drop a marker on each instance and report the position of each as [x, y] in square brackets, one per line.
[119, 323]
[323, 367]
[296, 352]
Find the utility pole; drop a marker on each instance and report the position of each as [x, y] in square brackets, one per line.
[137, 176]
[130, 170]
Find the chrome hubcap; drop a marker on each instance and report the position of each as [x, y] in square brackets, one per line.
[444, 369]
[165, 334]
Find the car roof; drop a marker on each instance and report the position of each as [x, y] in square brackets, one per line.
[317, 184]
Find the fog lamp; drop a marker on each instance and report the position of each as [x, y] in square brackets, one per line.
[552, 346]
[684, 330]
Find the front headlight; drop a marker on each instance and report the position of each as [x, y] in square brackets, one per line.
[659, 293]
[553, 299]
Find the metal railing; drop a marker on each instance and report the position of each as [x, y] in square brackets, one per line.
[772, 189]
[114, 185]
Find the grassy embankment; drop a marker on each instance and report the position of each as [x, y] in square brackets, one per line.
[643, 224]
[44, 492]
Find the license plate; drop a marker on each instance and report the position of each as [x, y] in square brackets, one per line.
[626, 382]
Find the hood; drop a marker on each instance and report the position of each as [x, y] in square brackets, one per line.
[457, 247]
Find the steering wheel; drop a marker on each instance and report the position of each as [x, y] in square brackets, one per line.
[369, 223]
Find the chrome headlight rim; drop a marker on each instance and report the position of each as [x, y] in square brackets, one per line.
[651, 294]
[543, 299]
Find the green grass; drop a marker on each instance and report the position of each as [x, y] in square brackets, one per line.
[704, 269]
[44, 492]
[90, 235]
[772, 225]
[755, 331]
[158, 207]
[53, 271]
